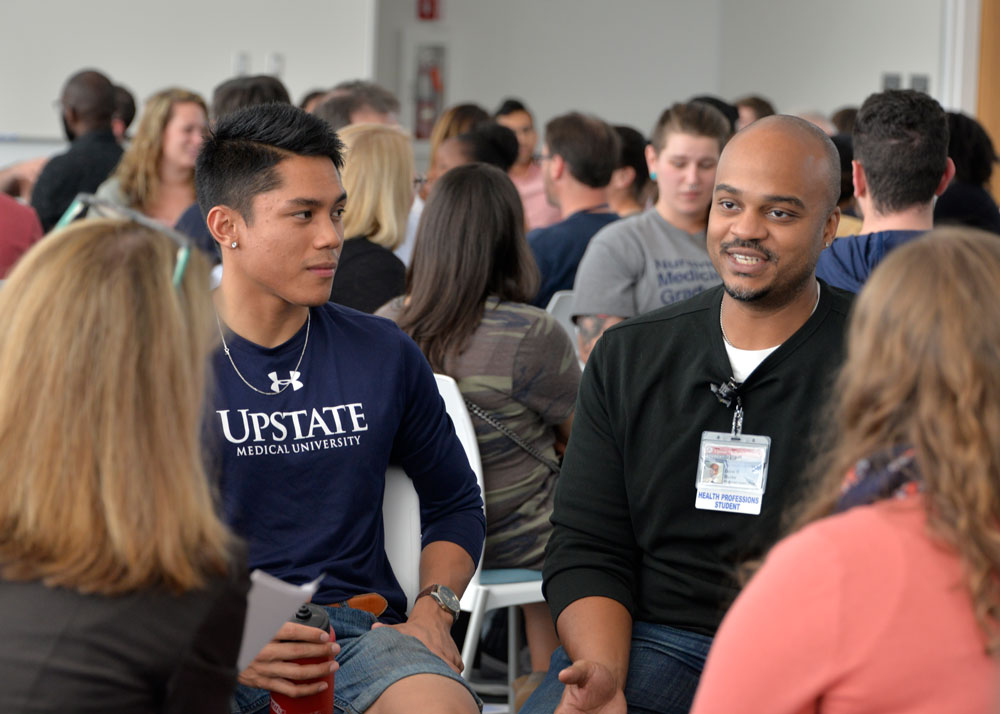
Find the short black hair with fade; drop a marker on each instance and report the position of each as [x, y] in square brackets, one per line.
[491, 144]
[238, 158]
[588, 145]
[509, 106]
[901, 141]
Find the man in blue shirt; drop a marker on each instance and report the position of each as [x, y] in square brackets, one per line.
[312, 402]
[900, 166]
[578, 157]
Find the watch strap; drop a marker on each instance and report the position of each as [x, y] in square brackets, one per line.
[432, 591]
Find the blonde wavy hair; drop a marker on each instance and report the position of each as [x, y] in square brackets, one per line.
[922, 370]
[102, 382]
[378, 178]
[138, 172]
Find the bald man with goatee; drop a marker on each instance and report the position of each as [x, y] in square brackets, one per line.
[692, 435]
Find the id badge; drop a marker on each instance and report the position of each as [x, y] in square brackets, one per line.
[732, 472]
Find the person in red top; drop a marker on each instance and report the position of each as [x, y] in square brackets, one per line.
[19, 229]
[887, 600]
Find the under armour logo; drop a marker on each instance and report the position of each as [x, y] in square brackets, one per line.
[278, 384]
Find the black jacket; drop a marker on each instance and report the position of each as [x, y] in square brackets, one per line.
[91, 159]
[626, 526]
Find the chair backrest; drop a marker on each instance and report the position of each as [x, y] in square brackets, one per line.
[401, 516]
[561, 308]
[401, 507]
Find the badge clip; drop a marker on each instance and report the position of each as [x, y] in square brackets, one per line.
[725, 392]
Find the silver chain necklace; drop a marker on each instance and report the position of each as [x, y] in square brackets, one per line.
[225, 348]
[721, 327]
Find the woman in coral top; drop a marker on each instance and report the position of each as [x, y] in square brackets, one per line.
[887, 599]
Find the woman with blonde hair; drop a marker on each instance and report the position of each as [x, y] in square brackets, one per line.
[119, 589]
[887, 598]
[378, 178]
[156, 174]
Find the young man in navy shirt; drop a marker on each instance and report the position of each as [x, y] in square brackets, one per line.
[312, 402]
[900, 167]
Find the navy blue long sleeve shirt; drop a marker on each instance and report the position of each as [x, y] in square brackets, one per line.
[303, 471]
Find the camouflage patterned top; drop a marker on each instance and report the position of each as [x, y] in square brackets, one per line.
[521, 368]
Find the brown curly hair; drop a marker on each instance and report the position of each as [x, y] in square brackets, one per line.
[922, 370]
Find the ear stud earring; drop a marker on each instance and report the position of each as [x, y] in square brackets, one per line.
[233, 244]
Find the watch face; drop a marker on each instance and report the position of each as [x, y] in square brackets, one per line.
[448, 598]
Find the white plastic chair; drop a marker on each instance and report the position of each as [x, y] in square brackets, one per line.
[401, 515]
[561, 307]
[488, 589]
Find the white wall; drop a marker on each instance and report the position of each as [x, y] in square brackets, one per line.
[149, 45]
[623, 61]
[813, 55]
[626, 61]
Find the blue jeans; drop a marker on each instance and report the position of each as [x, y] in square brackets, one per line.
[370, 661]
[663, 671]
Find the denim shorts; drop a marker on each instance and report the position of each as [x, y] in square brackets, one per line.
[370, 661]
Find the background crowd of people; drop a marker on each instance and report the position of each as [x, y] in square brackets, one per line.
[712, 261]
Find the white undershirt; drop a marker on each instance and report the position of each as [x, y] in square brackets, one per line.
[744, 362]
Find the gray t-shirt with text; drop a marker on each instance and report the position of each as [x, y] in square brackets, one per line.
[641, 263]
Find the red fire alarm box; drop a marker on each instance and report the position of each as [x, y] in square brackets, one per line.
[427, 9]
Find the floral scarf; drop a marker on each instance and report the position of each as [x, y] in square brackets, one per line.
[891, 473]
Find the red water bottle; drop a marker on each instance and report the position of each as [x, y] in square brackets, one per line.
[321, 702]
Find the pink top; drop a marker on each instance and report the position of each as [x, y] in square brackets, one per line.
[860, 612]
[538, 212]
[19, 229]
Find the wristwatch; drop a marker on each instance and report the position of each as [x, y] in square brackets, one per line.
[445, 597]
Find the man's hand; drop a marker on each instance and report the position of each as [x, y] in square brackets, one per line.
[272, 670]
[590, 689]
[431, 625]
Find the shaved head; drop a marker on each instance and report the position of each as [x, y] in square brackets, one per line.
[812, 137]
[91, 96]
[773, 210]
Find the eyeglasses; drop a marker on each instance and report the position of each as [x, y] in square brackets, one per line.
[87, 202]
[537, 158]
